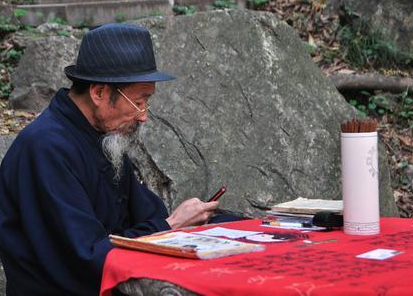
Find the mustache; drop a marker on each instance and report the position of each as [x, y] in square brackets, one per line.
[128, 128]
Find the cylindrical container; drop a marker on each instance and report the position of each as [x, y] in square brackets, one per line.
[360, 182]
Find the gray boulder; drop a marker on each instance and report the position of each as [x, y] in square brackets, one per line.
[250, 110]
[39, 73]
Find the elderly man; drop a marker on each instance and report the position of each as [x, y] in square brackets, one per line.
[66, 182]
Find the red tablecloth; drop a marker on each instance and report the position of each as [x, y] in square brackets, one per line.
[312, 263]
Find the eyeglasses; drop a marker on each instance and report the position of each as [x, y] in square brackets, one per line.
[140, 111]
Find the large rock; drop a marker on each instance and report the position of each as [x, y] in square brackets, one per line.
[393, 17]
[145, 286]
[40, 73]
[250, 110]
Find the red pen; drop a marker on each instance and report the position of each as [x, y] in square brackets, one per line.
[218, 194]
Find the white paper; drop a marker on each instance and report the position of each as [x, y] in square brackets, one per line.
[199, 242]
[379, 254]
[312, 228]
[226, 232]
[310, 206]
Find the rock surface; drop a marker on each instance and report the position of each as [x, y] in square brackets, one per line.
[250, 110]
[5, 142]
[144, 286]
[40, 71]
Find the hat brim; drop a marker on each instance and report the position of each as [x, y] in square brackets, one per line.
[152, 76]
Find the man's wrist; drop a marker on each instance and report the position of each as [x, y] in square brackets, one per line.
[170, 220]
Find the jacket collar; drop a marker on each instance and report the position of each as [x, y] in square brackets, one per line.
[63, 105]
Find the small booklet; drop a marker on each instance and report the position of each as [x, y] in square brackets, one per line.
[188, 245]
[303, 205]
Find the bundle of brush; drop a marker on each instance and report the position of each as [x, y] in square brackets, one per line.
[359, 165]
[359, 126]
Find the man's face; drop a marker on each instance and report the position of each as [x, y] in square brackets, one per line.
[120, 119]
[122, 116]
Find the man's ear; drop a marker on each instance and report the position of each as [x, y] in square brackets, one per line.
[98, 93]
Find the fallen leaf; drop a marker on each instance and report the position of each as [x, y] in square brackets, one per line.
[24, 114]
[317, 58]
[311, 41]
[4, 131]
[11, 122]
[408, 141]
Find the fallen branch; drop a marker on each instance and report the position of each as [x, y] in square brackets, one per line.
[371, 81]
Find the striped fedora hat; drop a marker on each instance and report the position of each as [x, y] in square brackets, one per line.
[116, 53]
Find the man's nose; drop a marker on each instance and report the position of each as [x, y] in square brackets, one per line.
[142, 117]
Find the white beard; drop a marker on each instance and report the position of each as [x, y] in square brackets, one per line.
[115, 145]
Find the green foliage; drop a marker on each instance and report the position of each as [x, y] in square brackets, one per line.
[397, 107]
[120, 17]
[366, 46]
[310, 48]
[9, 57]
[257, 3]
[58, 20]
[13, 55]
[183, 9]
[65, 33]
[8, 61]
[7, 27]
[5, 89]
[39, 14]
[18, 12]
[373, 105]
[405, 112]
[82, 24]
[224, 4]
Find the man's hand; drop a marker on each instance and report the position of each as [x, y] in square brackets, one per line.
[192, 212]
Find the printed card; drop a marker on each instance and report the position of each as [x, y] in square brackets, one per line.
[379, 254]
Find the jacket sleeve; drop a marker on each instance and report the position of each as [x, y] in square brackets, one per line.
[57, 217]
[147, 211]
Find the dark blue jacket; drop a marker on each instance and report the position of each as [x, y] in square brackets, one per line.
[58, 203]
